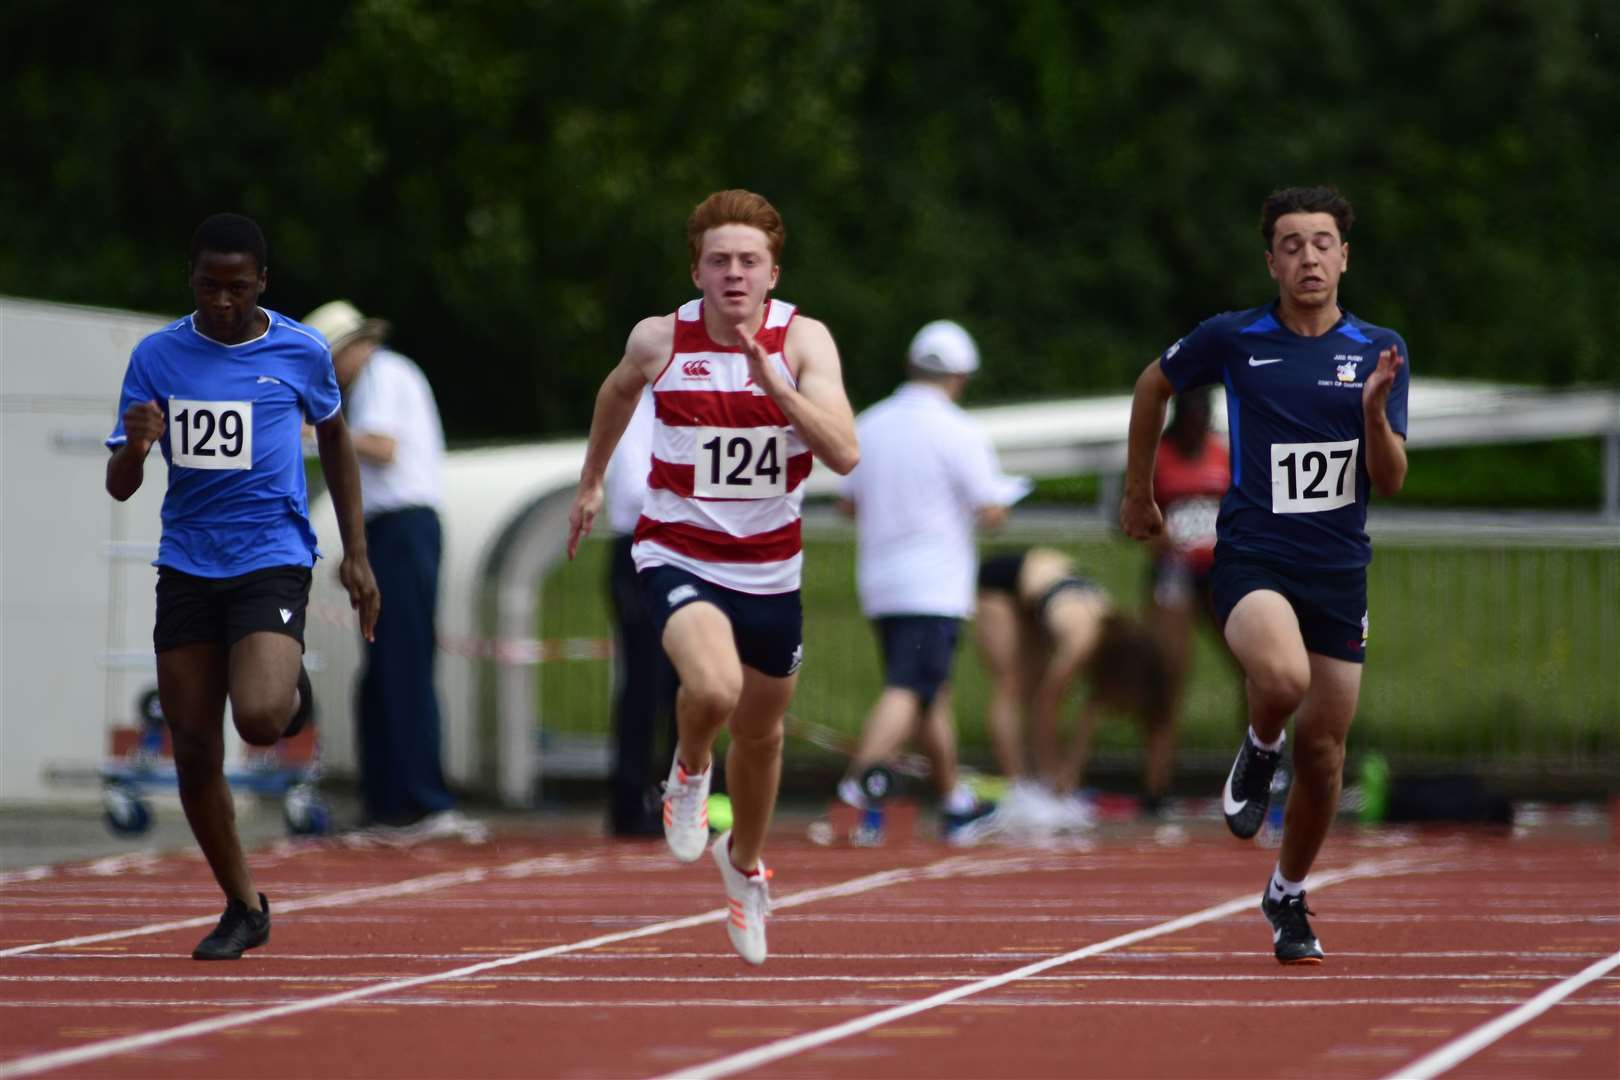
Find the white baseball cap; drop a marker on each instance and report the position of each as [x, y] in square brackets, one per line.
[944, 348]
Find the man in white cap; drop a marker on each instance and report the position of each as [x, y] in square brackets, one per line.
[928, 477]
[400, 445]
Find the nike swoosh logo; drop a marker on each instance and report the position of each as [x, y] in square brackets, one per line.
[286, 616]
[1276, 936]
[1262, 363]
[1232, 806]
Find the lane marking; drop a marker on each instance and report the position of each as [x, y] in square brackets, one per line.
[998, 1004]
[949, 868]
[1466, 1046]
[783, 1048]
[554, 864]
[1477, 982]
[609, 955]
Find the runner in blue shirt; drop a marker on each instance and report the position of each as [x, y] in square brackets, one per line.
[224, 392]
[1316, 408]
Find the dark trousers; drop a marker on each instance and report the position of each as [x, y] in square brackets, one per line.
[643, 703]
[401, 779]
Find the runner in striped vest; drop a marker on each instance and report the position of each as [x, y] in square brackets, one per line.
[728, 470]
[746, 391]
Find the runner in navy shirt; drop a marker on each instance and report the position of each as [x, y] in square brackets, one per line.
[1316, 405]
[224, 392]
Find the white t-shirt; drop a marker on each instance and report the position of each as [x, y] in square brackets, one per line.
[624, 487]
[926, 470]
[392, 397]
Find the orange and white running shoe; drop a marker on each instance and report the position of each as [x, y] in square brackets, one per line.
[686, 812]
[748, 902]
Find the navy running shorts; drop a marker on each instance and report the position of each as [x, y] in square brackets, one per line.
[1331, 605]
[192, 609]
[768, 630]
[918, 651]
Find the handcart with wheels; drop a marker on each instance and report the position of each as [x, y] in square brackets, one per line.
[140, 762]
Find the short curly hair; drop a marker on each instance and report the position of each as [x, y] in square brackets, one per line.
[1305, 200]
[229, 234]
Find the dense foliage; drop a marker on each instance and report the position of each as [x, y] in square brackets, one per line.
[1077, 183]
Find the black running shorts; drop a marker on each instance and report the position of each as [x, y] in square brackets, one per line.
[192, 609]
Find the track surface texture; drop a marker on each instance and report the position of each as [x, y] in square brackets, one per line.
[1132, 951]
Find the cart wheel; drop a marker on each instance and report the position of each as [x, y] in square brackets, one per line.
[126, 812]
[305, 811]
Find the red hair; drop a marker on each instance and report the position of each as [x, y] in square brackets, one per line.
[735, 207]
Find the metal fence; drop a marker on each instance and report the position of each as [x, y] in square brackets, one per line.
[1495, 644]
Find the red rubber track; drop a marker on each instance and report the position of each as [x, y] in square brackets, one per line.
[1432, 936]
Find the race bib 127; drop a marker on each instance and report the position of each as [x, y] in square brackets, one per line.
[1309, 477]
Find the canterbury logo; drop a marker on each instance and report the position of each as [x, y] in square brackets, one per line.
[695, 369]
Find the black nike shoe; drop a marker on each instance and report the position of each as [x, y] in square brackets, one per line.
[239, 929]
[306, 706]
[1291, 936]
[955, 828]
[1248, 789]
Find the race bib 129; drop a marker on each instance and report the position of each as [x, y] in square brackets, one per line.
[740, 463]
[1309, 477]
[211, 434]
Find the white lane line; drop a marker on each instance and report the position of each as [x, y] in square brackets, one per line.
[953, 867]
[727, 980]
[810, 1040]
[610, 955]
[559, 864]
[1466, 1046]
[993, 1001]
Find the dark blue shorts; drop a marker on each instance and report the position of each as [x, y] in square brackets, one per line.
[918, 651]
[768, 630]
[1331, 605]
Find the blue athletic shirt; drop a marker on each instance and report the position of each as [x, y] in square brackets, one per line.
[237, 500]
[1299, 471]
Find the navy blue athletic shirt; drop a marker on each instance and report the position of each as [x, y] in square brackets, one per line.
[1299, 470]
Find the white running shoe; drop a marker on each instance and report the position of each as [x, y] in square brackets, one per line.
[1075, 811]
[748, 902]
[686, 812]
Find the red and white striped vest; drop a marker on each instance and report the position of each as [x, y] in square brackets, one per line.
[728, 469]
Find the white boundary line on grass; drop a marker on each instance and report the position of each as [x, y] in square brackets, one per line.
[96, 1051]
[1466, 1046]
[811, 1040]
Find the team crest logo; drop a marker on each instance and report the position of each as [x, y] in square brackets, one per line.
[1347, 371]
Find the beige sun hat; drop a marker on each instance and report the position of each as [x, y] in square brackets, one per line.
[340, 322]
